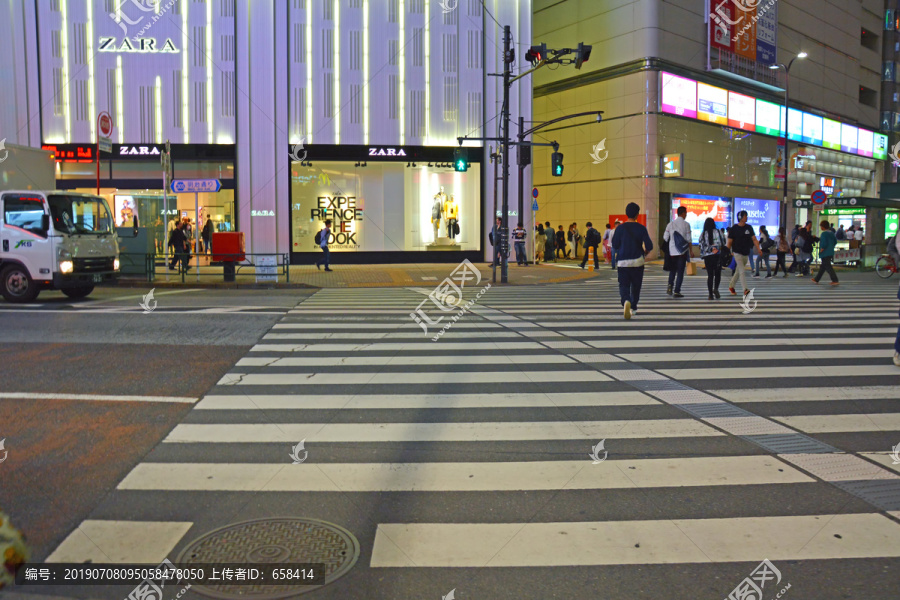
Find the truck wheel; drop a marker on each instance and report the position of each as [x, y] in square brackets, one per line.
[78, 292]
[16, 284]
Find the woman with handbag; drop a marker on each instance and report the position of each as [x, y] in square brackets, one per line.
[782, 247]
[711, 244]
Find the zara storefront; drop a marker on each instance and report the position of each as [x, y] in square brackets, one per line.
[295, 106]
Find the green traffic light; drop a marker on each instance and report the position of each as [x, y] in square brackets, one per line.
[462, 165]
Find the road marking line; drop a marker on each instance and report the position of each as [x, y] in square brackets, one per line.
[421, 401]
[843, 423]
[811, 394]
[134, 542]
[464, 477]
[96, 397]
[635, 542]
[439, 432]
[782, 372]
[429, 378]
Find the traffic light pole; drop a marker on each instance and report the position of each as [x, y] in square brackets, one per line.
[504, 120]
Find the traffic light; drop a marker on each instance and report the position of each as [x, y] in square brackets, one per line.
[556, 163]
[524, 155]
[582, 54]
[460, 160]
[536, 54]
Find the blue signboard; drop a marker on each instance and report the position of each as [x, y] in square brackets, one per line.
[759, 212]
[180, 186]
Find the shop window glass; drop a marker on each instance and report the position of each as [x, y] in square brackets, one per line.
[385, 207]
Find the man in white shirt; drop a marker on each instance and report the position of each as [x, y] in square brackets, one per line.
[859, 235]
[679, 253]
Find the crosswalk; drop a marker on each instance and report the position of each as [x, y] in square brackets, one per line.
[729, 438]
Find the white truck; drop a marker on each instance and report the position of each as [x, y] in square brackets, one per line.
[50, 239]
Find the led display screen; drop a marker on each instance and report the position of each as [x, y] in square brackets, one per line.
[701, 207]
[741, 111]
[759, 212]
[768, 118]
[679, 95]
[866, 142]
[849, 138]
[712, 104]
[812, 129]
[795, 125]
[880, 147]
[831, 134]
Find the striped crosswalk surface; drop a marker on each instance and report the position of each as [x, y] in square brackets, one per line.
[474, 462]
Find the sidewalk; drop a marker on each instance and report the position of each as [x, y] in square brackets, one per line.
[356, 276]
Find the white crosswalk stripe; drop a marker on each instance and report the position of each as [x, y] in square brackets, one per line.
[722, 433]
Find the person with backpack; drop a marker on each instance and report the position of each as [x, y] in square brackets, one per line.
[741, 241]
[766, 243]
[795, 233]
[180, 248]
[206, 234]
[712, 251]
[782, 247]
[827, 242]
[591, 240]
[322, 240]
[678, 236]
[632, 244]
[805, 245]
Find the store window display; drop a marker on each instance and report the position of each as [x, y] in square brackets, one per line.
[385, 207]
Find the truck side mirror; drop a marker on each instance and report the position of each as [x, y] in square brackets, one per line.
[45, 222]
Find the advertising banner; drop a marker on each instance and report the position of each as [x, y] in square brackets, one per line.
[759, 212]
[720, 24]
[699, 208]
[767, 32]
[741, 111]
[678, 95]
[745, 34]
[712, 104]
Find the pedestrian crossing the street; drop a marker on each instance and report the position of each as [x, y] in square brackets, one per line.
[472, 461]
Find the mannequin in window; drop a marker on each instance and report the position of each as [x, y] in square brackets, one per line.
[451, 214]
[437, 211]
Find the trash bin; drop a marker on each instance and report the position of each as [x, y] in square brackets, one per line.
[228, 269]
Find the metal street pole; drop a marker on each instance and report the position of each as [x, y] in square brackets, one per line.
[504, 228]
[521, 150]
[787, 159]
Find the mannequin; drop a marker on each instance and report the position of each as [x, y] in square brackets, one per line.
[437, 211]
[451, 214]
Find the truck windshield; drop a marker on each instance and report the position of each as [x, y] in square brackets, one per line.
[79, 214]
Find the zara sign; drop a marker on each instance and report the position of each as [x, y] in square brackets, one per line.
[139, 45]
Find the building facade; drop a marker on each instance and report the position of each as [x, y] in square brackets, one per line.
[303, 110]
[694, 111]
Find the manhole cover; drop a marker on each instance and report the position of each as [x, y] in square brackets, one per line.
[279, 540]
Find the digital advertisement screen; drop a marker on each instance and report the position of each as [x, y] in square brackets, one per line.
[880, 148]
[126, 210]
[795, 125]
[741, 111]
[866, 142]
[849, 138]
[768, 118]
[759, 212]
[712, 104]
[812, 129]
[679, 95]
[831, 134]
[701, 207]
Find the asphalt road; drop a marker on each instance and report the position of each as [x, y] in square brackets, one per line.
[731, 437]
[73, 377]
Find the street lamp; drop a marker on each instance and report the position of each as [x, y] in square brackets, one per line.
[787, 79]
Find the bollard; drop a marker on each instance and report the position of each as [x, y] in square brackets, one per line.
[590, 258]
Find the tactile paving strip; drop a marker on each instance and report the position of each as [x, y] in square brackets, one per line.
[285, 540]
[840, 467]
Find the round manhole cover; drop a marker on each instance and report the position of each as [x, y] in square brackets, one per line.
[280, 540]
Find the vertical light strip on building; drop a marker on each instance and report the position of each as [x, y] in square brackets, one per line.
[309, 66]
[427, 58]
[209, 73]
[64, 51]
[92, 108]
[366, 71]
[185, 84]
[158, 118]
[401, 93]
[337, 72]
[120, 112]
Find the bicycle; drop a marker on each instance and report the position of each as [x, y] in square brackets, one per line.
[886, 266]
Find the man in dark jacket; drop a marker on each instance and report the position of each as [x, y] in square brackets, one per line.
[591, 240]
[550, 247]
[178, 242]
[632, 244]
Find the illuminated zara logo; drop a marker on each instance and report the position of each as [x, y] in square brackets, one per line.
[386, 152]
[139, 45]
[138, 151]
